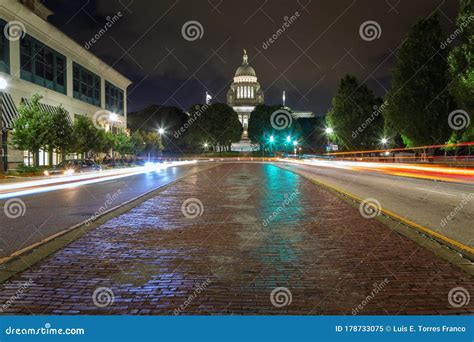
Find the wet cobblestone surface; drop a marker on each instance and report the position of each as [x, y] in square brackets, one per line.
[220, 241]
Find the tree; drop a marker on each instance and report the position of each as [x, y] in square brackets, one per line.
[86, 135]
[355, 116]
[277, 121]
[260, 126]
[313, 136]
[138, 142]
[225, 126]
[104, 141]
[123, 144]
[418, 103]
[461, 58]
[216, 124]
[154, 117]
[31, 129]
[196, 131]
[60, 137]
[153, 143]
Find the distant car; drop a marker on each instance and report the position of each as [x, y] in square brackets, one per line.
[73, 166]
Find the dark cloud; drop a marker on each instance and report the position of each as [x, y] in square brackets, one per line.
[307, 60]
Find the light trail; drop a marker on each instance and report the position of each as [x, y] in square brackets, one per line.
[401, 149]
[431, 172]
[73, 181]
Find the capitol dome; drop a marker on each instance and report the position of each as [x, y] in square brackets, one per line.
[245, 70]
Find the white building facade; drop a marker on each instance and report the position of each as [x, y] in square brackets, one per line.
[37, 58]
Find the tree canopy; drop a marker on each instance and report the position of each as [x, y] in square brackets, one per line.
[461, 58]
[419, 103]
[355, 116]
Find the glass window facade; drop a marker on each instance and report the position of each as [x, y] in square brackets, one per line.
[113, 98]
[86, 85]
[4, 49]
[42, 65]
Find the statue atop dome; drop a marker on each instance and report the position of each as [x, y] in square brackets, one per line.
[245, 58]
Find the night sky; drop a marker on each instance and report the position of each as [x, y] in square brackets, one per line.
[321, 46]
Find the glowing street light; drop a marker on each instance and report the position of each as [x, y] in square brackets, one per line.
[272, 138]
[206, 145]
[295, 143]
[329, 130]
[161, 131]
[288, 139]
[3, 83]
[384, 141]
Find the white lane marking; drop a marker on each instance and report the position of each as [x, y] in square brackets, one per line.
[437, 192]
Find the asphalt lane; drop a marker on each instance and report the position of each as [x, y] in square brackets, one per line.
[446, 208]
[51, 212]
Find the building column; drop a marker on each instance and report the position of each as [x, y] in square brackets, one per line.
[102, 93]
[125, 107]
[69, 79]
[15, 58]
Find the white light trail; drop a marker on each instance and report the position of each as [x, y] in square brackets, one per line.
[73, 181]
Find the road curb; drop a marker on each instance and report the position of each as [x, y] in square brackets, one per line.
[23, 259]
[452, 251]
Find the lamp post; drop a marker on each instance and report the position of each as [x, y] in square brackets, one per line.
[329, 131]
[3, 130]
[113, 118]
[161, 131]
[272, 139]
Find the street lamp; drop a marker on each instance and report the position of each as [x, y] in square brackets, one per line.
[329, 131]
[3, 83]
[161, 131]
[288, 139]
[272, 138]
[384, 141]
[295, 144]
[3, 161]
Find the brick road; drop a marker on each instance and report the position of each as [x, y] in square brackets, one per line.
[259, 228]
